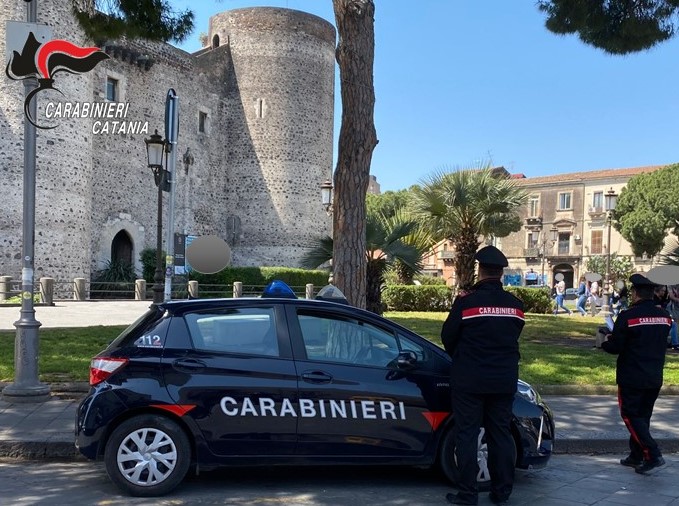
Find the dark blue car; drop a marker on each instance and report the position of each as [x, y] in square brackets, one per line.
[205, 383]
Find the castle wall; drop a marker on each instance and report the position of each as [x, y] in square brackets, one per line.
[125, 183]
[63, 165]
[267, 93]
[279, 131]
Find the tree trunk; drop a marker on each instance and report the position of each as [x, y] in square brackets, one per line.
[465, 249]
[357, 140]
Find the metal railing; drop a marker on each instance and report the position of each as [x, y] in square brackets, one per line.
[48, 290]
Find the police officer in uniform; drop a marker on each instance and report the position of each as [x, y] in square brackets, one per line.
[639, 339]
[481, 334]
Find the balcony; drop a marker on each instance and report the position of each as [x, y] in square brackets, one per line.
[534, 221]
[531, 252]
[595, 210]
[447, 255]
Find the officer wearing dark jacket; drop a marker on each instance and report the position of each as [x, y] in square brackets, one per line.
[481, 334]
[639, 339]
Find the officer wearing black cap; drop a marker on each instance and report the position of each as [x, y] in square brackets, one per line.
[481, 334]
[639, 339]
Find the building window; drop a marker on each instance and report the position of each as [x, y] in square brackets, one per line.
[112, 89]
[533, 239]
[564, 242]
[260, 107]
[534, 206]
[598, 200]
[564, 201]
[597, 242]
[202, 122]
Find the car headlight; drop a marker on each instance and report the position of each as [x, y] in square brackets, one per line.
[527, 392]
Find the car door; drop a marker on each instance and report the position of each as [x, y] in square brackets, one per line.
[239, 373]
[359, 402]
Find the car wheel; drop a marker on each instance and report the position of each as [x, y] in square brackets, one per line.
[147, 455]
[448, 460]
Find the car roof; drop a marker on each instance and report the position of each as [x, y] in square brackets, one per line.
[179, 307]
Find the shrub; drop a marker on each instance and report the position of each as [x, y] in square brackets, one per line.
[535, 300]
[148, 263]
[417, 298]
[115, 281]
[258, 277]
[430, 280]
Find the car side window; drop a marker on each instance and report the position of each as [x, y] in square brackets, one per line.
[250, 331]
[410, 345]
[346, 340]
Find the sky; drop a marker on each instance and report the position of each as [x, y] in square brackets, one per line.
[460, 83]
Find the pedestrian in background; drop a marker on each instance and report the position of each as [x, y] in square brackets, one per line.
[560, 294]
[481, 334]
[639, 339]
[582, 296]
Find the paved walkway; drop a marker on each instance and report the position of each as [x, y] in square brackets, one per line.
[584, 424]
[78, 313]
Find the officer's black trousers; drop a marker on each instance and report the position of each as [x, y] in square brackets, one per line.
[636, 408]
[494, 413]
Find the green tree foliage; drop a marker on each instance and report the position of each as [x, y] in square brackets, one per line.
[148, 19]
[385, 244]
[648, 208]
[621, 266]
[615, 26]
[466, 206]
[387, 203]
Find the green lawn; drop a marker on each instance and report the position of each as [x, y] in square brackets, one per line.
[555, 350]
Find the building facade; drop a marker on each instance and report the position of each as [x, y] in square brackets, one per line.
[255, 144]
[564, 225]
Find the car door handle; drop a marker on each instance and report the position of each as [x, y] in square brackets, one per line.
[188, 364]
[316, 377]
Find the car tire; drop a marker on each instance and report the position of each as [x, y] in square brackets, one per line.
[154, 469]
[448, 461]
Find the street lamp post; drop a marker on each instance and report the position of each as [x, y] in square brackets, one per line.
[26, 386]
[554, 234]
[610, 200]
[326, 196]
[155, 149]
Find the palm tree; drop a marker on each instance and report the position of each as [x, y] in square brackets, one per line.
[385, 243]
[467, 206]
[420, 238]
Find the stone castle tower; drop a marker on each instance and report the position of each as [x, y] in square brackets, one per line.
[256, 113]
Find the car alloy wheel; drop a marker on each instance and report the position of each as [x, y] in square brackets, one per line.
[147, 455]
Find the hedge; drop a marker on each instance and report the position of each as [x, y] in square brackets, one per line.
[417, 298]
[261, 276]
[535, 300]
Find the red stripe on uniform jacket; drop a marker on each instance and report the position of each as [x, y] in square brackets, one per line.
[502, 312]
[649, 320]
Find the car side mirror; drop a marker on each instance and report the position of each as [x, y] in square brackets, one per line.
[406, 360]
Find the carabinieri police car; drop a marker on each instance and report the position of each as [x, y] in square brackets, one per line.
[197, 384]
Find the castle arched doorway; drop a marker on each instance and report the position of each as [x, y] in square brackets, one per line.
[122, 248]
[567, 271]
